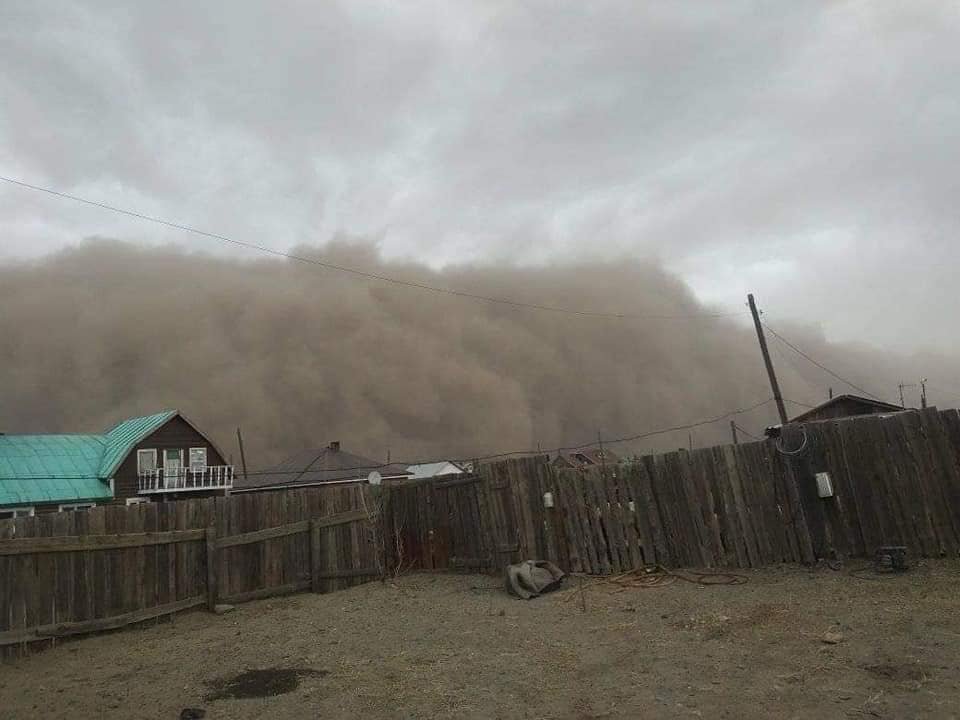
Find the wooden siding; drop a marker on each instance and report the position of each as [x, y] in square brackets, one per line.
[176, 434]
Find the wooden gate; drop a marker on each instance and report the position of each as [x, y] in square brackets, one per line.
[438, 524]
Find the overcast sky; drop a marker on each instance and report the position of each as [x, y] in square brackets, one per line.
[807, 152]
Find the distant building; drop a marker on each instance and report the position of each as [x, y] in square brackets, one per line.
[160, 456]
[323, 466]
[585, 458]
[437, 469]
[843, 406]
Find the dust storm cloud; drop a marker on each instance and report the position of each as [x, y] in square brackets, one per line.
[298, 355]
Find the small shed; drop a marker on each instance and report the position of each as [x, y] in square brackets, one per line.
[842, 406]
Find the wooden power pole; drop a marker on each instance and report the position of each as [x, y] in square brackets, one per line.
[766, 360]
[733, 431]
[243, 458]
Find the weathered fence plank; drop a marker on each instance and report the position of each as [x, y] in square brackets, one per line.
[896, 481]
[77, 572]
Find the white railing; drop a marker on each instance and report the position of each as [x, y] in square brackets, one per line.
[212, 477]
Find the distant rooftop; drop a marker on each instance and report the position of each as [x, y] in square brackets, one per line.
[317, 466]
[845, 406]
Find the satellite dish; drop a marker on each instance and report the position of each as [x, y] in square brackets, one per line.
[374, 478]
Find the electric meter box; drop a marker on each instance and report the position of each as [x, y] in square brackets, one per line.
[824, 485]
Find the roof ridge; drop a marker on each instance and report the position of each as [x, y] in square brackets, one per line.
[168, 411]
[123, 436]
[50, 435]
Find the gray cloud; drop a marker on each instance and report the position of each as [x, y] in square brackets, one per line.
[802, 151]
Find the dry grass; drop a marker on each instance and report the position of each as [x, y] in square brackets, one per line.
[429, 646]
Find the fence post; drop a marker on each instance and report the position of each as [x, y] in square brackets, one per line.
[211, 539]
[315, 556]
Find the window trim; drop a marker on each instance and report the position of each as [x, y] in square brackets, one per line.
[190, 458]
[151, 451]
[136, 501]
[67, 507]
[28, 510]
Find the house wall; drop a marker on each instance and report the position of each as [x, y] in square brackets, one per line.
[46, 508]
[176, 434]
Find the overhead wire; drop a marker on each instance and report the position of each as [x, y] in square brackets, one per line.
[800, 404]
[819, 364]
[457, 293]
[481, 458]
[746, 432]
[363, 273]
[944, 391]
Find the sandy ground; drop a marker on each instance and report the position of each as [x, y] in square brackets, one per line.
[431, 646]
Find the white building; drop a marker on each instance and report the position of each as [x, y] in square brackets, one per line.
[437, 469]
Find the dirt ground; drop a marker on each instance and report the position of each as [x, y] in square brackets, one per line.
[432, 646]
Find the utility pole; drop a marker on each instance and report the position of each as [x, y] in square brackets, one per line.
[733, 431]
[766, 360]
[923, 393]
[243, 458]
[603, 459]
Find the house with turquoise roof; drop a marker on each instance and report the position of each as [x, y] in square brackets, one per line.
[163, 456]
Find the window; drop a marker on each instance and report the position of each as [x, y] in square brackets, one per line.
[172, 462]
[198, 458]
[137, 501]
[17, 512]
[77, 506]
[146, 461]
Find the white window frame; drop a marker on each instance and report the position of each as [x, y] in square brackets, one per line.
[149, 451]
[19, 512]
[190, 458]
[136, 501]
[179, 452]
[77, 506]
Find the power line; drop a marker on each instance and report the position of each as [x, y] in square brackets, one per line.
[944, 391]
[676, 428]
[362, 273]
[818, 364]
[746, 432]
[803, 405]
[496, 456]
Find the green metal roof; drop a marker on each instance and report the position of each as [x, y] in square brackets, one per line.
[62, 468]
[51, 468]
[124, 435]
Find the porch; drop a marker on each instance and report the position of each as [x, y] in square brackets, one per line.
[185, 479]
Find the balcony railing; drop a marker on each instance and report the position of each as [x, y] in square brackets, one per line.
[212, 477]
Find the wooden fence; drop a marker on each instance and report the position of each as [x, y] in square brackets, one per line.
[896, 481]
[71, 573]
